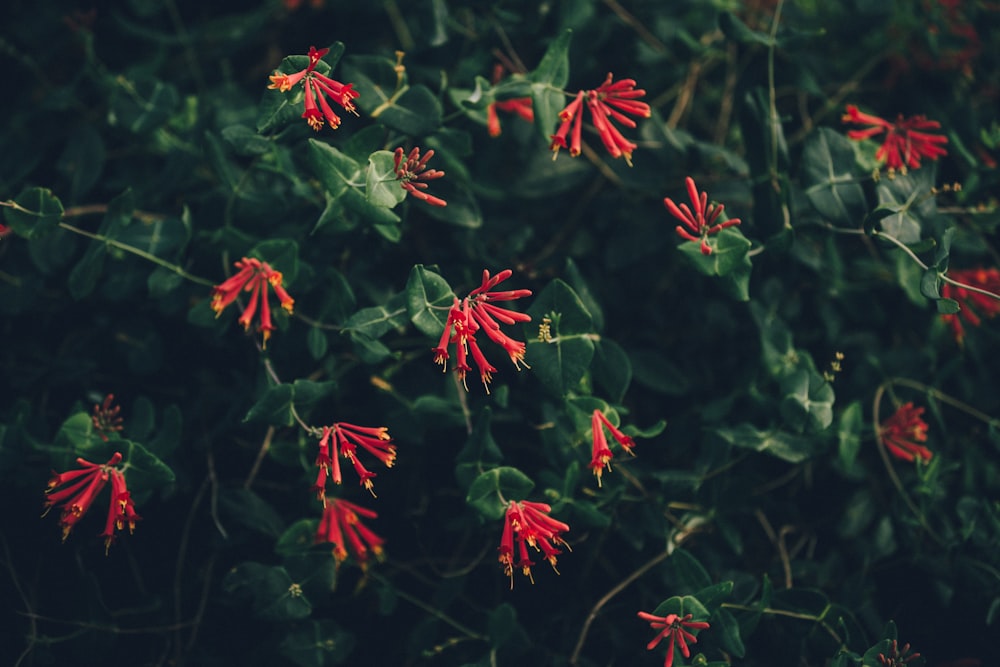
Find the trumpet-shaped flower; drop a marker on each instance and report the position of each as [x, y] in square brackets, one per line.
[343, 440]
[601, 454]
[903, 431]
[904, 143]
[676, 630]
[412, 172]
[700, 223]
[611, 102]
[975, 305]
[519, 106]
[478, 313]
[341, 526]
[527, 524]
[254, 276]
[317, 88]
[106, 417]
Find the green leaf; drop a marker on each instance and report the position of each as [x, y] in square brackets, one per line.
[683, 606]
[84, 276]
[428, 300]
[250, 511]
[561, 361]
[849, 434]
[417, 112]
[268, 590]
[297, 538]
[726, 631]
[142, 103]
[612, 368]
[808, 401]
[38, 212]
[274, 407]
[690, 573]
[479, 453]
[547, 83]
[144, 471]
[381, 186]
[335, 170]
[490, 492]
[785, 446]
[282, 255]
[831, 179]
[375, 321]
[317, 343]
[317, 644]
[729, 260]
[907, 193]
[504, 630]
[245, 141]
[83, 160]
[738, 31]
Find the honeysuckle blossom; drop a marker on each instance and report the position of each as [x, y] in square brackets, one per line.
[342, 440]
[903, 432]
[700, 223]
[520, 106]
[601, 454]
[317, 87]
[904, 143]
[676, 630]
[611, 101]
[106, 417]
[528, 523]
[254, 276]
[80, 487]
[412, 171]
[476, 313]
[341, 526]
[974, 305]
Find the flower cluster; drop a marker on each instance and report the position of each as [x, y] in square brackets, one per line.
[701, 223]
[254, 276]
[106, 418]
[81, 487]
[601, 454]
[412, 172]
[974, 304]
[902, 432]
[520, 106]
[475, 313]
[904, 144]
[610, 101]
[895, 657]
[529, 524]
[342, 440]
[317, 88]
[342, 527]
[676, 630]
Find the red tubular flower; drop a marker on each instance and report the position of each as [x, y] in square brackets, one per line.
[4, 230]
[475, 313]
[529, 524]
[412, 174]
[342, 440]
[254, 276]
[341, 526]
[895, 657]
[700, 223]
[974, 304]
[601, 454]
[521, 106]
[676, 630]
[611, 101]
[571, 119]
[317, 88]
[904, 144]
[106, 418]
[81, 487]
[902, 432]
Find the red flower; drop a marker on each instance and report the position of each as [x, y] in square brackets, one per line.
[701, 223]
[412, 174]
[106, 419]
[529, 524]
[974, 304]
[342, 527]
[476, 313]
[610, 101]
[254, 276]
[601, 454]
[903, 430]
[520, 106]
[4, 230]
[896, 657]
[343, 439]
[675, 629]
[80, 488]
[317, 88]
[904, 144]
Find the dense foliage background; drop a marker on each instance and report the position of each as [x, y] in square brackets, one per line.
[143, 155]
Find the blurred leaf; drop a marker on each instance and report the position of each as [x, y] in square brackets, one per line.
[317, 644]
[41, 212]
[274, 407]
[480, 452]
[831, 179]
[142, 103]
[297, 538]
[268, 590]
[377, 320]
[250, 511]
[612, 368]
[561, 361]
[416, 112]
[738, 31]
[491, 491]
[785, 446]
[547, 83]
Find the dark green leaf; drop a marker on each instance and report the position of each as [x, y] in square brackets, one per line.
[38, 211]
[490, 492]
[268, 590]
[429, 297]
[381, 186]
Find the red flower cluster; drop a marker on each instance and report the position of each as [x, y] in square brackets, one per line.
[974, 304]
[896, 657]
[610, 101]
[601, 453]
[254, 276]
[317, 88]
[80, 488]
[342, 527]
[676, 630]
[476, 313]
[904, 144]
[520, 106]
[701, 223]
[343, 439]
[411, 174]
[529, 523]
[106, 418]
[902, 432]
